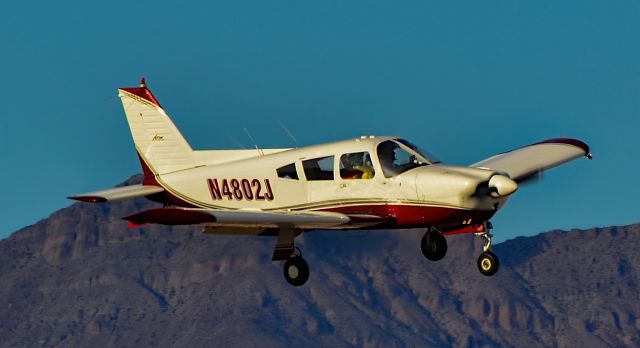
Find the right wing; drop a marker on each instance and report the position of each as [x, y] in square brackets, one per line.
[530, 160]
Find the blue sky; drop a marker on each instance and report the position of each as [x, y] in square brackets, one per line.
[463, 79]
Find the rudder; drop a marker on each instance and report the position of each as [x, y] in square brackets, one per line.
[158, 142]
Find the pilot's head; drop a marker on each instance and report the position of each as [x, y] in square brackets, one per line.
[386, 152]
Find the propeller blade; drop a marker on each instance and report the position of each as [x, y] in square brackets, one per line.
[532, 179]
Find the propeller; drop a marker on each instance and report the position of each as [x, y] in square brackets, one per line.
[531, 179]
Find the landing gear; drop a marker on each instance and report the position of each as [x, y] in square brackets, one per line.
[296, 269]
[488, 262]
[433, 245]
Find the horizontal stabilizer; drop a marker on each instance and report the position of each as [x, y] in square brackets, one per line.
[244, 218]
[118, 193]
[531, 160]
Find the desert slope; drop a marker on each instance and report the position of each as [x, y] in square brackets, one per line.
[82, 278]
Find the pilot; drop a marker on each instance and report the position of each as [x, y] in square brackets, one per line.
[387, 157]
[388, 160]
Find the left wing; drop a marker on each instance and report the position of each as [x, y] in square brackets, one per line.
[530, 160]
[117, 193]
[242, 219]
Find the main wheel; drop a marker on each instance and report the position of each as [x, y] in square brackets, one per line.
[433, 245]
[296, 271]
[488, 263]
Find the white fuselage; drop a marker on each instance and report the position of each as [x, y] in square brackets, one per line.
[249, 179]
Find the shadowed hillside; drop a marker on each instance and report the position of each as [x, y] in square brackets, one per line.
[82, 278]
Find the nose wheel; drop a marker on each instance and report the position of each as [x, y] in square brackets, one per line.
[488, 262]
[433, 245]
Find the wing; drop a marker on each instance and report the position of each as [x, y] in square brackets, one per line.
[283, 224]
[118, 193]
[530, 160]
[243, 220]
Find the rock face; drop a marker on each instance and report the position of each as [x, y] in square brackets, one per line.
[82, 278]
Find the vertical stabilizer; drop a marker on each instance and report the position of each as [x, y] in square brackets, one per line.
[158, 141]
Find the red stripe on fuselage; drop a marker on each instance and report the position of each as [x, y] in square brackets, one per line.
[413, 216]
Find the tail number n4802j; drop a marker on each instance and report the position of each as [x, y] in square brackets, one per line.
[239, 189]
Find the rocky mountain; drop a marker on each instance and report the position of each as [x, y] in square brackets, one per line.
[81, 278]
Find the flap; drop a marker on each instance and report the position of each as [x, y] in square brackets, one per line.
[117, 193]
[530, 160]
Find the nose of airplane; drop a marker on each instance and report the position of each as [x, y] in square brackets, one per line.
[452, 183]
[502, 186]
[462, 185]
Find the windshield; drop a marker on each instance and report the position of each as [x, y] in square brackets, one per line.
[426, 155]
[396, 159]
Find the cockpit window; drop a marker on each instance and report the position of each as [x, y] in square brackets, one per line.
[288, 172]
[318, 168]
[356, 165]
[426, 155]
[395, 159]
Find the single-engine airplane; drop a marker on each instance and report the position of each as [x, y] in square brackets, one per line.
[368, 182]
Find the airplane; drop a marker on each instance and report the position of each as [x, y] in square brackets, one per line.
[364, 183]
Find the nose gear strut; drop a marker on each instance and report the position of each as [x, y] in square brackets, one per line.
[488, 262]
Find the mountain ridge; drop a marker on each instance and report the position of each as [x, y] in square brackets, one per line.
[81, 277]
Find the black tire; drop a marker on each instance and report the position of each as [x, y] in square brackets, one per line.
[433, 246]
[296, 271]
[488, 263]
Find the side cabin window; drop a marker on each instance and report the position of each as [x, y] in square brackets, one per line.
[318, 168]
[396, 160]
[356, 165]
[288, 172]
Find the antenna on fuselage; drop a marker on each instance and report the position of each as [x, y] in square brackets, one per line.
[253, 140]
[239, 144]
[288, 133]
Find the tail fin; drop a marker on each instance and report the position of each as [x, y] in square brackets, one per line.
[158, 142]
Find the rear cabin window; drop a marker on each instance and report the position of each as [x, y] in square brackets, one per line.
[356, 165]
[288, 172]
[318, 168]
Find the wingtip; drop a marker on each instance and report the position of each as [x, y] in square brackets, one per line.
[570, 141]
[88, 199]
